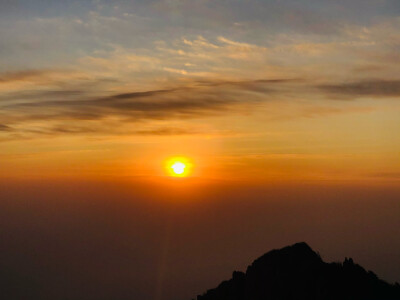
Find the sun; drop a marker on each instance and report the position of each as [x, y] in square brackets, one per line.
[178, 166]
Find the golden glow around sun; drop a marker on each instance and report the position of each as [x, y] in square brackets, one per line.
[178, 167]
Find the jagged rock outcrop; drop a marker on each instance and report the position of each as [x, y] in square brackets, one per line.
[297, 272]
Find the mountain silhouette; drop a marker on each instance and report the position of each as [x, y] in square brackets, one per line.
[297, 272]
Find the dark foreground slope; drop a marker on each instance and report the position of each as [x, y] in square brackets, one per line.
[297, 272]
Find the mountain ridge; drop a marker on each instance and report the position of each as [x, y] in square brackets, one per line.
[298, 272]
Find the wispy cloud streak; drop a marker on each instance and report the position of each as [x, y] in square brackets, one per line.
[375, 88]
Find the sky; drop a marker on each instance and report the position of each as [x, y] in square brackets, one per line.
[273, 99]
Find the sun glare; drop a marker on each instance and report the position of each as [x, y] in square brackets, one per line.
[178, 167]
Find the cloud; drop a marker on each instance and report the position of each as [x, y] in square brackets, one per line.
[55, 111]
[117, 129]
[22, 75]
[247, 84]
[166, 131]
[53, 82]
[58, 112]
[239, 45]
[4, 127]
[208, 97]
[375, 88]
[197, 76]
